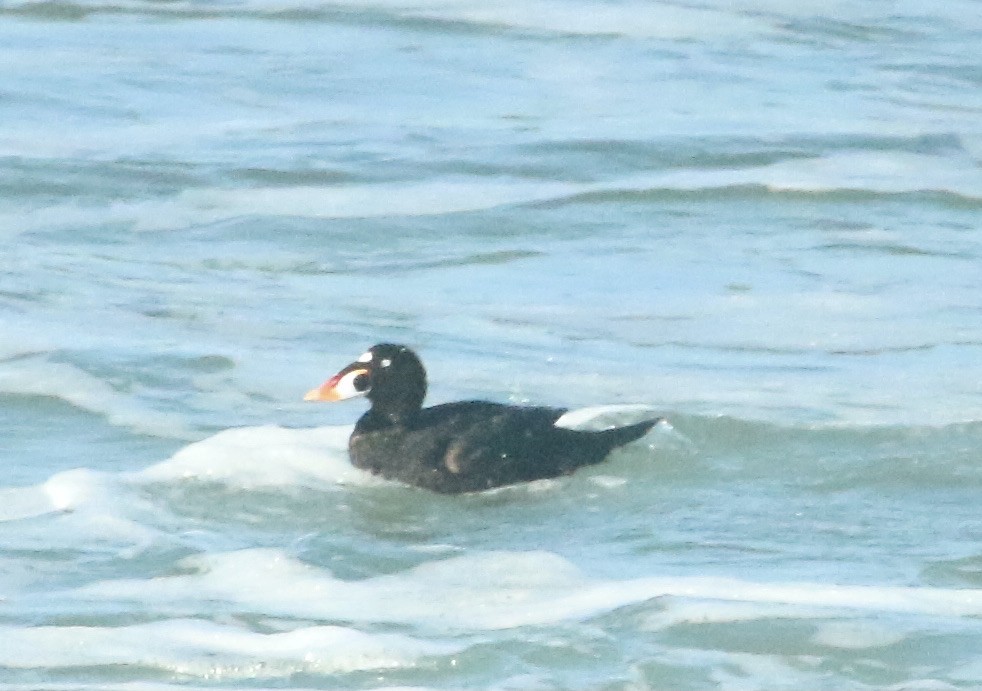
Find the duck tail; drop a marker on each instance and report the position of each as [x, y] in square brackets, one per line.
[618, 436]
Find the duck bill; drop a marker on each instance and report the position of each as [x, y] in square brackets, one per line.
[327, 391]
[339, 387]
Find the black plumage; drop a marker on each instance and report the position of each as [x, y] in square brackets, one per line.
[457, 447]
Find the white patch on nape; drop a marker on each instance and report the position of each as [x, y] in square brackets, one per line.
[601, 417]
[365, 357]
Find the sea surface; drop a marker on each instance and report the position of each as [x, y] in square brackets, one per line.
[760, 219]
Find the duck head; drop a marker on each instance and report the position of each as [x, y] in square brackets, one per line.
[391, 376]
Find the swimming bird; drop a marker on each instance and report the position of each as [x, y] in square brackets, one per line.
[466, 446]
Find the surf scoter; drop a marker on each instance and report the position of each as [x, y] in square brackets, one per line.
[456, 447]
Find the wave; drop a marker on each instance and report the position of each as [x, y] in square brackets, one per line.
[205, 649]
[302, 478]
[836, 456]
[263, 545]
[494, 591]
[240, 459]
[684, 447]
[629, 19]
[632, 19]
[857, 176]
[266, 456]
[59, 381]
[263, 614]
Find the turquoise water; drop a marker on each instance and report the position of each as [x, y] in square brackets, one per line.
[760, 219]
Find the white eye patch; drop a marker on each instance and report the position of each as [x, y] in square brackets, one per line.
[354, 383]
[386, 362]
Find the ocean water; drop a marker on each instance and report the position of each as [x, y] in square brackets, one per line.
[761, 219]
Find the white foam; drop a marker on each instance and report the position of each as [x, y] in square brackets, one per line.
[678, 611]
[856, 635]
[608, 481]
[910, 599]
[352, 201]
[85, 509]
[491, 591]
[66, 491]
[21, 338]
[205, 649]
[736, 671]
[98, 510]
[265, 456]
[24, 502]
[211, 205]
[488, 591]
[879, 172]
[885, 172]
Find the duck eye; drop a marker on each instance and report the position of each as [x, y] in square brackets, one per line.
[360, 383]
